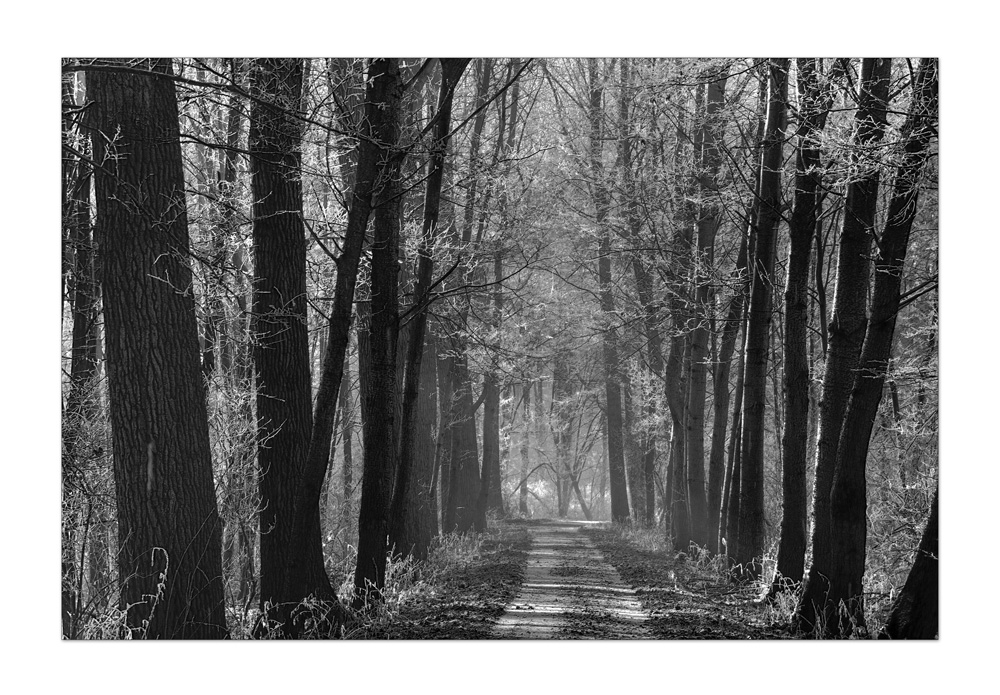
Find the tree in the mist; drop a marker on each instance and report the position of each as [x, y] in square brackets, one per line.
[750, 548]
[170, 551]
[612, 379]
[847, 325]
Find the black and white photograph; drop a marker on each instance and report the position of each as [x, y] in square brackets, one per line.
[499, 348]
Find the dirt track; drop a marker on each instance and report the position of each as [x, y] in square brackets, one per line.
[570, 592]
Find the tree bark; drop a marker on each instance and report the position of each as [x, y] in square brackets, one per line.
[709, 218]
[409, 529]
[847, 326]
[814, 106]
[848, 497]
[914, 613]
[612, 380]
[170, 549]
[751, 514]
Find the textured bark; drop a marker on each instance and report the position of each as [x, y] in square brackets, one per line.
[848, 497]
[914, 613]
[381, 426]
[612, 379]
[281, 348]
[751, 513]
[409, 528]
[372, 155]
[709, 218]
[170, 549]
[814, 106]
[847, 326]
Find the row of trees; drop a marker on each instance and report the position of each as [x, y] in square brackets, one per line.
[550, 255]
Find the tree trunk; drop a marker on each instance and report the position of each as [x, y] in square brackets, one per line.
[751, 514]
[409, 531]
[612, 380]
[914, 613]
[717, 469]
[848, 497]
[709, 218]
[170, 548]
[847, 327]
[814, 106]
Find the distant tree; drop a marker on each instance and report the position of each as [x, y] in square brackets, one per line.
[170, 550]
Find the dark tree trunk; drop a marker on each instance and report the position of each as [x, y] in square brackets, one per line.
[914, 613]
[462, 510]
[750, 550]
[709, 218]
[281, 348]
[612, 380]
[813, 108]
[718, 494]
[169, 531]
[409, 528]
[848, 497]
[729, 524]
[847, 326]
[380, 428]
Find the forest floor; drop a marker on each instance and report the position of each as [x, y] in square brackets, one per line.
[546, 579]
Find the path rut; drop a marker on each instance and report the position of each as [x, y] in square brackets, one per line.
[571, 592]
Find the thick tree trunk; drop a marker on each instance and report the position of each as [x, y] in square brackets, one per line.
[813, 109]
[847, 326]
[914, 613]
[751, 513]
[169, 531]
[281, 348]
[848, 497]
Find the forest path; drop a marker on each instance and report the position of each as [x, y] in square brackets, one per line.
[570, 591]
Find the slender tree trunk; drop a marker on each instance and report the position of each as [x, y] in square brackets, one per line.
[814, 106]
[408, 530]
[380, 428]
[847, 327]
[751, 517]
[170, 547]
[381, 96]
[612, 380]
[522, 506]
[729, 525]
[709, 218]
[717, 496]
[848, 497]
